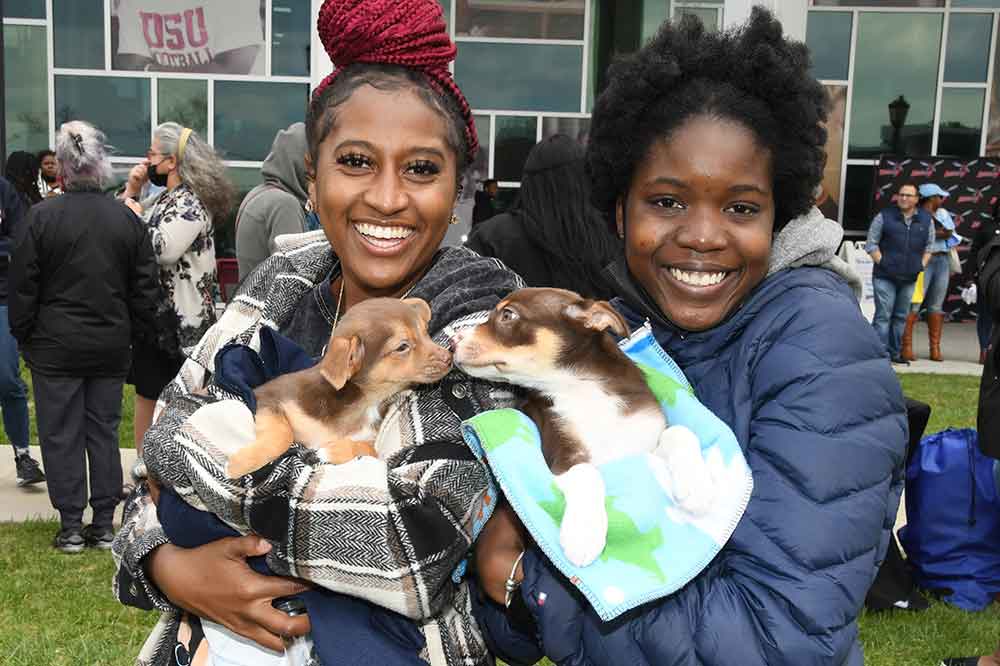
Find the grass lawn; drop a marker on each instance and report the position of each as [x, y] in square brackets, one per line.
[58, 609]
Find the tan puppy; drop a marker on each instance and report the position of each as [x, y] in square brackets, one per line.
[378, 349]
[590, 401]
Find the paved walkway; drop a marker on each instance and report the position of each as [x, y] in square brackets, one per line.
[32, 502]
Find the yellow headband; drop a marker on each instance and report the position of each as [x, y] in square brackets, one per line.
[185, 133]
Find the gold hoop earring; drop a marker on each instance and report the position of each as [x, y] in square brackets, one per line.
[454, 219]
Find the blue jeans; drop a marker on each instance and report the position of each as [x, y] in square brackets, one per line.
[936, 278]
[892, 302]
[13, 391]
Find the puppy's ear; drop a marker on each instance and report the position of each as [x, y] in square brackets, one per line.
[342, 360]
[597, 316]
[421, 306]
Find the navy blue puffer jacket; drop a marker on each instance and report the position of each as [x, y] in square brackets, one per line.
[802, 380]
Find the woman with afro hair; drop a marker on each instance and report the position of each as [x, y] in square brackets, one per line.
[705, 152]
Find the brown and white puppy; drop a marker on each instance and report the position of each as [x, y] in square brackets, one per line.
[590, 401]
[378, 349]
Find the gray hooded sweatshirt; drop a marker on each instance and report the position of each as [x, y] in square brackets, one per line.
[276, 206]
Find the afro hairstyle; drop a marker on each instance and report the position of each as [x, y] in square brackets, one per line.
[752, 75]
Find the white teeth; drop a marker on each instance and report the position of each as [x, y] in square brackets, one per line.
[376, 231]
[698, 278]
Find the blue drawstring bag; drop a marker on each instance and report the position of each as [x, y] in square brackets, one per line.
[952, 536]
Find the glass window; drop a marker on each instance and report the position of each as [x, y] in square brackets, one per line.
[654, 13]
[888, 68]
[709, 16]
[125, 122]
[446, 10]
[249, 114]
[968, 54]
[828, 35]
[183, 101]
[515, 136]
[520, 77]
[78, 34]
[859, 195]
[26, 87]
[479, 170]
[879, 3]
[975, 3]
[290, 23]
[577, 128]
[960, 127]
[245, 179]
[526, 19]
[32, 9]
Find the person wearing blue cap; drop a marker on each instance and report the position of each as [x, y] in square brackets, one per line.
[899, 241]
[936, 274]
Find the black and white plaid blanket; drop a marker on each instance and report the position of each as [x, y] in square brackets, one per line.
[391, 530]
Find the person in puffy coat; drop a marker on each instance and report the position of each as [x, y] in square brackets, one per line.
[705, 151]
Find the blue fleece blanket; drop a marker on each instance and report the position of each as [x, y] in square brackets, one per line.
[654, 547]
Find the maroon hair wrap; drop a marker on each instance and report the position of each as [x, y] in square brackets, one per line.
[410, 33]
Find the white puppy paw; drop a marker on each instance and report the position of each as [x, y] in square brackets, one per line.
[584, 529]
[688, 479]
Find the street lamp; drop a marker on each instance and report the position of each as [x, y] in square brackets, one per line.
[898, 108]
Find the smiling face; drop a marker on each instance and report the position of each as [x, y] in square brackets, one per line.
[384, 186]
[698, 220]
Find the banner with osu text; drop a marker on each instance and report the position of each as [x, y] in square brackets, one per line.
[973, 186]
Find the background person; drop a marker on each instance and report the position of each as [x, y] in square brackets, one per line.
[552, 236]
[724, 150]
[13, 390]
[276, 206]
[388, 145]
[899, 241]
[21, 171]
[180, 222]
[83, 288]
[989, 229]
[484, 208]
[48, 174]
[937, 273]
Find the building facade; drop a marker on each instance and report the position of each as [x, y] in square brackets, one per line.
[238, 70]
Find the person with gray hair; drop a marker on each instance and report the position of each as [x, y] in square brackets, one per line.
[83, 291]
[180, 222]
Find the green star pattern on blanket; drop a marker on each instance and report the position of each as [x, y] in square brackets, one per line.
[625, 542]
[663, 386]
[500, 426]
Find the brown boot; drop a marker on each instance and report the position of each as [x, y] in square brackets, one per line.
[906, 342]
[935, 322]
[982, 357]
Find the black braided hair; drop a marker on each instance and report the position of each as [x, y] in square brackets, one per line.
[752, 75]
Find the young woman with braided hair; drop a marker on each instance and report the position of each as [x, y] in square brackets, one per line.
[389, 135]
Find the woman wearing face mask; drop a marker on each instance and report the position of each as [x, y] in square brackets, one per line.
[704, 154]
[180, 221]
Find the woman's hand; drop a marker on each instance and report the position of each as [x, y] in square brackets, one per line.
[215, 582]
[502, 540]
[136, 179]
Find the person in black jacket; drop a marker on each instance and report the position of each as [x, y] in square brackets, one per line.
[552, 236]
[83, 287]
[13, 391]
[986, 233]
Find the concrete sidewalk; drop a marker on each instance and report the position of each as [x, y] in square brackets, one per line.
[959, 347]
[32, 502]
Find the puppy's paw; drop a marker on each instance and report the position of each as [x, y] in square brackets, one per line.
[584, 529]
[583, 534]
[688, 479]
[239, 464]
